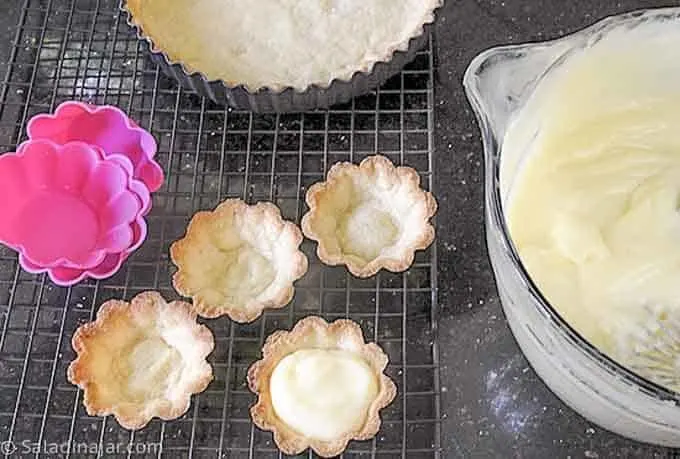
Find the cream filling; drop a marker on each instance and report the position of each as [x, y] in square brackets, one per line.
[323, 393]
[594, 209]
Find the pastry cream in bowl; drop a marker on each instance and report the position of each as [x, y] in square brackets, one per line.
[593, 209]
[582, 156]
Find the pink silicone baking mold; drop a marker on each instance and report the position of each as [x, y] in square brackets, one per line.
[66, 206]
[69, 275]
[105, 126]
[65, 276]
[137, 186]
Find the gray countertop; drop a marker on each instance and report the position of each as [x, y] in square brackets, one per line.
[495, 405]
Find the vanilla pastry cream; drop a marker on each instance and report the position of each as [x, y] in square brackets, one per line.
[320, 386]
[323, 393]
[591, 174]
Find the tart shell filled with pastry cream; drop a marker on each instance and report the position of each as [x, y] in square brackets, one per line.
[320, 386]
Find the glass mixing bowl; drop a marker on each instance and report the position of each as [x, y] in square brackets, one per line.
[498, 82]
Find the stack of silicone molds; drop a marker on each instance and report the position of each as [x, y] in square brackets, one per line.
[75, 194]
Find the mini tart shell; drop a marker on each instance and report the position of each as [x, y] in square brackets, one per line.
[381, 166]
[315, 332]
[137, 415]
[202, 222]
[283, 99]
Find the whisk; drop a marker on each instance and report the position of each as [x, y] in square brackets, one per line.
[652, 348]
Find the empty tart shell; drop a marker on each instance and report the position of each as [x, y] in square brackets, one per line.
[320, 386]
[281, 56]
[369, 217]
[238, 260]
[141, 360]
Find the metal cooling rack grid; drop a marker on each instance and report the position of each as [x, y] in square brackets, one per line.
[82, 49]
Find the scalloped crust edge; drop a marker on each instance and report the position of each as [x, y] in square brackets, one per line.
[384, 166]
[282, 343]
[365, 67]
[254, 309]
[128, 417]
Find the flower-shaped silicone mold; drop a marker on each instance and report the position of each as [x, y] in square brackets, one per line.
[65, 275]
[238, 260]
[141, 360]
[370, 216]
[65, 205]
[106, 127]
[320, 386]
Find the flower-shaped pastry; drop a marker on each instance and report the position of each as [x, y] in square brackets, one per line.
[106, 127]
[65, 205]
[370, 216]
[141, 360]
[320, 386]
[238, 260]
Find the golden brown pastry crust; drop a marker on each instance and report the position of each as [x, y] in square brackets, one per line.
[135, 415]
[140, 19]
[315, 332]
[378, 167]
[267, 214]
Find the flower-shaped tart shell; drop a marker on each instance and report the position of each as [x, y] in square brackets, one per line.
[370, 216]
[315, 333]
[238, 260]
[141, 360]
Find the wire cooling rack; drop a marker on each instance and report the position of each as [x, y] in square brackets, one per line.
[82, 49]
